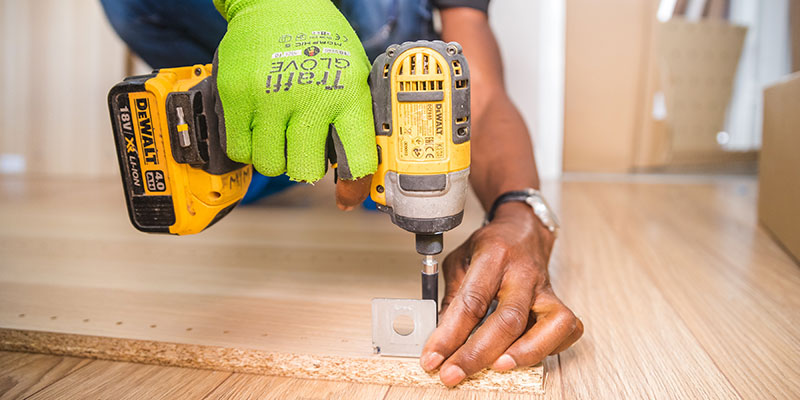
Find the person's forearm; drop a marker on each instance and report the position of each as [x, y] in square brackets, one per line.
[502, 153]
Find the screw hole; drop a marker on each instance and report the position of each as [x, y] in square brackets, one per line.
[153, 326]
[86, 320]
[54, 317]
[188, 329]
[198, 71]
[214, 195]
[119, 322]
[452, 50]
[21, 315]
[379, 189]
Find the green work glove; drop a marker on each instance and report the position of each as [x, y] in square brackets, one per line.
[286, 70]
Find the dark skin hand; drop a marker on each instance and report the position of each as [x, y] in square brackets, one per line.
[349, 194]
[504, 260]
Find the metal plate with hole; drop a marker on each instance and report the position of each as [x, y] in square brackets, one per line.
[400, 327]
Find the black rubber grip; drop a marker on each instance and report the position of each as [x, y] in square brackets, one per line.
[430, 289]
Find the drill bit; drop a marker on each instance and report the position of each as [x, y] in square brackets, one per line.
[430, 279]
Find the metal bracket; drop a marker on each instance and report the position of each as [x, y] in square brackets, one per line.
[386, 313]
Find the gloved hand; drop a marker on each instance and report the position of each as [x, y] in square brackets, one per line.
[286, 70]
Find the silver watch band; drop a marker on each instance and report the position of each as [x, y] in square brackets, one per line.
[535, 200]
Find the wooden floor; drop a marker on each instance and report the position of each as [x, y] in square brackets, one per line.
[682, 294]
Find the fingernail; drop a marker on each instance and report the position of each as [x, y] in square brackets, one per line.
[431, 361]
[504, 363]
[452, 375]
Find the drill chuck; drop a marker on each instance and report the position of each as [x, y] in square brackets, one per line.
[429, 244]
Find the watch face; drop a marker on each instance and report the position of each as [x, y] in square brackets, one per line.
[542, 211]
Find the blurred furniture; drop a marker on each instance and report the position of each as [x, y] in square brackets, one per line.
[645, 94]
[779, 164]
[794, 15]
[690, 79]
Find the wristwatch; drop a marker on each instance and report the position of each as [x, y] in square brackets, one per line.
[533, 198]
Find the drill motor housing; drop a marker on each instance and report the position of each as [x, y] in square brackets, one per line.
[421, 104]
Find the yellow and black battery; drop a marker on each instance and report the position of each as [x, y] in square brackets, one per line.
[176, 176]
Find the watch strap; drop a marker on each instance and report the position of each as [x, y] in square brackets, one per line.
[513, 195]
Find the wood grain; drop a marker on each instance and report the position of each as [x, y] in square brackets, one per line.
[763, 278]
[722, 322]
[25, 374]
[682, 294]
[630, 326]
[116, 380]
[161, 382]
[290, 297]
[244, 386]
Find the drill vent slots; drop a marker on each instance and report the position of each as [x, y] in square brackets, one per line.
[457, 71]
[420, 72]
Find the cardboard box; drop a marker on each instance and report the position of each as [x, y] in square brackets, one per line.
[779, 169]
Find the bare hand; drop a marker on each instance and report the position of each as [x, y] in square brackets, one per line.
[351, 193]
[507, 260]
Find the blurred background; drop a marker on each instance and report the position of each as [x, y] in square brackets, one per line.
[605, 86]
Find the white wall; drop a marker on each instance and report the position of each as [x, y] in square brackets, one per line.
[766, 58]
[59, 59]
[531, 38]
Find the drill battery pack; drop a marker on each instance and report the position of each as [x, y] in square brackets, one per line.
[176, 176]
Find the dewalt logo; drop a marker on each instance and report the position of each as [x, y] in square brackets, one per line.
[131, 157]
[143, 118]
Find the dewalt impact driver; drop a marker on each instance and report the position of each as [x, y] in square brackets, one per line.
[177, 178]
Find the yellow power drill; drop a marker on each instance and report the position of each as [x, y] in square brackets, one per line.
[177, 178]
[421, 103]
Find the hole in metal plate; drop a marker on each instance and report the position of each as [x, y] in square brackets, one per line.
[403, 325]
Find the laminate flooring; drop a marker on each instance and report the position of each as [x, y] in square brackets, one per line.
[683, 295]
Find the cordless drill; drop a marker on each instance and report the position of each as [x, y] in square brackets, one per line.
[178, 179]
[421, 103]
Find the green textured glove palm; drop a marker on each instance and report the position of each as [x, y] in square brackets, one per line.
[286, 70]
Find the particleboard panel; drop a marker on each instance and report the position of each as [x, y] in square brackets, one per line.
[290, 282]
[697, 62]
[376, 370]
[18, 370]
[682, 295]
